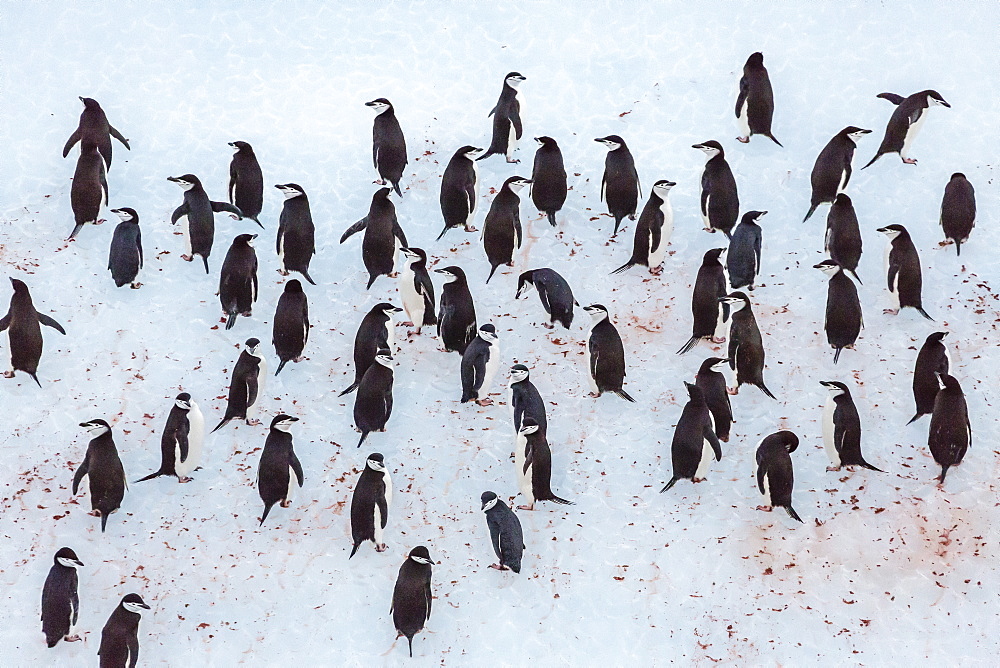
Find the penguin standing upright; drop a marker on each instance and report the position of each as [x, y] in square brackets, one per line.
[383, 236]
[291, 325]
[370, 504]
[376, 331]
[844, 320]
[507, 129]
[743, 258]
[775, 477]
[502, 230]
[279, 468]
[107, 476]
[295, 243]
[94, 128]
[60, 599]
[456, 325]
[247, 385]
[843, 235]
[120, 635]
[200, 212]
[246, 182]
[695, 441]
[554, 292]
[708, 309]
[548, 178]
[181, 441]
[535, 469]
[505, 533]
[525, 401]
[620, 186]
[720, 202]
[903, 270]
[653, 231]
[832, 171]
[459, 191]
[480, 362]
[25, 335]
[412, 597]
[605, 355]
[950, 434]
[905, 122]
[958, 211]
[712, 382]
[755, 103]
[125, 258]
[89, 189]
[746, 347]
[933, 359]
[238, 279]
[416, 289]
[373, 403]
[842, 429]
[388, 144]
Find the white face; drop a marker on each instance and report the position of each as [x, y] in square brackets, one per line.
[124, 216]
[410, 257]
[96, 429]
[934, 102]
[289, 193]
[524, 288]
[720, 366]
[284, 425]
[180, 403]
[612, 145]
[834, 390]
[596, 313]
[68, 563]
[474, 153]
[489, 504]
[379, 107]
[236, 149]
[252, 350]
[489, 336]
[662, 190]
[449, 277]
[857, 135]
[384, 360]
[889, 232]
[709, 151]
[391, 312]
[759, 216]
[186, 185]
[517, 375]
[514, 82]
[250, 241]
[516, 186]
[376, 465]
[529, 429]
[829, 269]
[420, 560]
[134, 607]
[735, 304]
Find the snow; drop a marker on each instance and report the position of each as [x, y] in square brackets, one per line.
[887, 569]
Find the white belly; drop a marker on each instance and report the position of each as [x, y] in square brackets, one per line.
[523, 478]
[894, 288]
[590, 374]
[843, 182]
[492, 364]
[704, 213]
[512, 137]
[196, 437]
[413, 303]
[707, 454]
[767, 491]
[657, 254]
[911, 134]
[261, 387]
[828, 431]
[744, 120]
[292, 481]
[390, 328]
[378, 526]
[721, 326]
[475, 194]
[186, 234]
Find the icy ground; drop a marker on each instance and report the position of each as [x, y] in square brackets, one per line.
[887, 569]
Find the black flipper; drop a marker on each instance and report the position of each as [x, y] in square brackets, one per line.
[892, 97]
[73, 139]
[281, 366]
[623, 394]
[552, 218]
[49, 322]
[219, 207]
[794, 515]
[673, 481]
[357, 227]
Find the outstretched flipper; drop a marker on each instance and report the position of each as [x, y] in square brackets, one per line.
[892, 97]
[357, 227]
[49, 322]
[73, 139]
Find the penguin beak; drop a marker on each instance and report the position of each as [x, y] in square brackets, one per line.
[174, 179]
[84, 425]
[78, 562]
[698, 146]
[81, 98]
[945, 104]
[397, 310]
[143, 605]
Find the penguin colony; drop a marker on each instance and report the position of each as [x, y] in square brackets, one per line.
[722, 310]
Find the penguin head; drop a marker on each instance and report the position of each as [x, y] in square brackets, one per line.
[451, 274]
[134, 603]
[380, 105]
[290, 190]
[96, 427]
[753, 216]
[382, 195]
[412, 255]
[948, 382]
[694, 392]
[835, 386]
[245, 239]
[957, 175]
[293, 286]
[597, 311]
[283, 422]
[524, 281]
[489, 499]
[936, 337]
[90, 103]
[241, 146]
[514, 79]
[934, 99]
[388, 309]
[519, 372]
[546, 142]
[528, 426]
[854, 132]
[736, 300]
[613, 142]
[67, 557]
[788, 439]
[126, 214]
[420, 555]
[183, 401]
[470, 152]
[20, 287]
[376, 462]
[892, 231]
[384, 357]
[516, 183]
[662, 188]
[251, 346]
[713, 255]
[711, 148]
[713, 364]
[186, 182]
[488, 333]
[828, 267]
[756, 60]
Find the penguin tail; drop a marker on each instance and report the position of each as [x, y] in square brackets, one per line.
[625, 267]
[492, 271]
[812, 210]
[364, 435]
[353, 387]
[395, 186]
[836, 355]
[944, 472]
[729, 234]
[254, 219]
[281, 366]
[854, 273]
[442, 232]
[561, 501]
[673, 481]
[618, 222]
[157, 474]
[222, 424]
[53, 642]
[868, 466]
[552, 218]
[205, 260]
[916, 417]
[76, 231]
[771, 137]
[231, 320]
[763, 388]
[469, 396]
[482, 157]
[355, 549]
[104, 515]
[371, 279]
[691, 343]
[958, 247]
[305, 273]
[794, 515]
[267, 509]
[409, 638]
[922, 312]
[34, 378]
[872, 161]
[624, 395]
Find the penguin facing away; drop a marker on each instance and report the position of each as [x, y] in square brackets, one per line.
[712, 382]
[370, 504]
[775, 477]
[933, 359]
[525, 400]
[95, 128]
[60, 598]
[296, 242]
[905, 122]
[694, 442]
[709, 309]
[181, 441]
[903, 271]
[105, 471]
[417, 290]
[125, 258]
[620, 186]
[842, 429]
[25, 334]
[457, 317]
[376, 331]
[743, 258]
[832, 171]
[246, 386]
[605, 355]
[246, 182]
[459, 191]
[238, 279]
[653, 231]
[382, 239]
[507, 128]
[950, 433]
[843, 235]
[755, 103]
[535, 473]
[746, 346]
[505, 533]
[553, 291]
[502, 232]
[373, 403]
[120, 635]
[412, 597]
[279, 468]
[844, 321]
[291, 325]
[548, 179]
[720, 202]
[388, 144]
[200, 212]
[480, 362]
[89, 189]
[958, 211]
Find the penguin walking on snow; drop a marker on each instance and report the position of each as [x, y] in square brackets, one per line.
[844, 321]
[712, 382]
[958, 211]
[480, 362]
[25, 334]
[525, 400]
[291, 325]
[755, 103]
[843, 235]
[548, 178]
[507, 128]
[120, 635]
[620, 186]
[279, 468]
[238, 279]
[373, 403]
[605, 355]
[695, 441]
[459, 191]
[181, 441]
[246, 182]
[534, 466]
[720, 202]
[653, 232]
[376, 331]
[746, 347]
[842, 429]
[247, 385]
[94, 128]
[296, 242]
[832, 171]
[456, 325]
[107, 475]
[505, 533]
[200, 212]
[905, 122]
[708, 309]
[417, 290]
[125, 258]
[89, 189]
[743, 258]
[60, 599]
[553, 291]
[903, 270]
[370, 504]
[412, 597]
[933, 359]
[950, 434]
[383, 236]
[388, 145]
[775, 477]
[502, 230]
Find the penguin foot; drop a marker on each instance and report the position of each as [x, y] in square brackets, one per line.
[513, 161]
[184, 479]
[548, 325]
[910, 161]
[531, 507]
[413, 332]
[394, 274]
[286, 503]
[850, 346]
[709, 229]
[718, 339]
[595, 395]
[946, 242]
[724, 439]
[136, 286]
[283, 272]
[656, 271]
[380, 182]
[406, 324]
[72, 638]
[470, 228]
[499, 567]
[8, 374]
[95, 513]
[381, 547]
[698, 479]
[187, 258]
[246, 314]
[298, 359]
[743, 140]
[733, 391]
[253, 423]
[485, 402]
[832, 468]
[766, 509]
[889, 311]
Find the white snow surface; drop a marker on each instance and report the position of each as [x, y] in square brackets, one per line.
[887, 569]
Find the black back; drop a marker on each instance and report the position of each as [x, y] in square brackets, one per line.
[774, 463]
[527, 402]
[90, 187]
[719, 198]
[904, 271]
[94, 128]
[950, 433]
[713, 387]
[931, 360]
[369, 493]
[60, 599]
[457, 318]
[277, 463]
[411, 597]
[693, 428]
[389, 147]
[506, 535]
[607, 357]
[553, 291]
[378, 249]
[373, 404]
[548, 179]
[743, 259]
[291, 322]
[843, 234]
[246, 181]
[958, 210]
[755, 90]
[458, 190]
[120, 639]
[833, 167]
[125, 257]
[709, 287]
[296, 235]
[502, 229]
[620, 184]
[238, 278]
[106, 475]
[372, 335]
[243, 387]
[843, 312]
